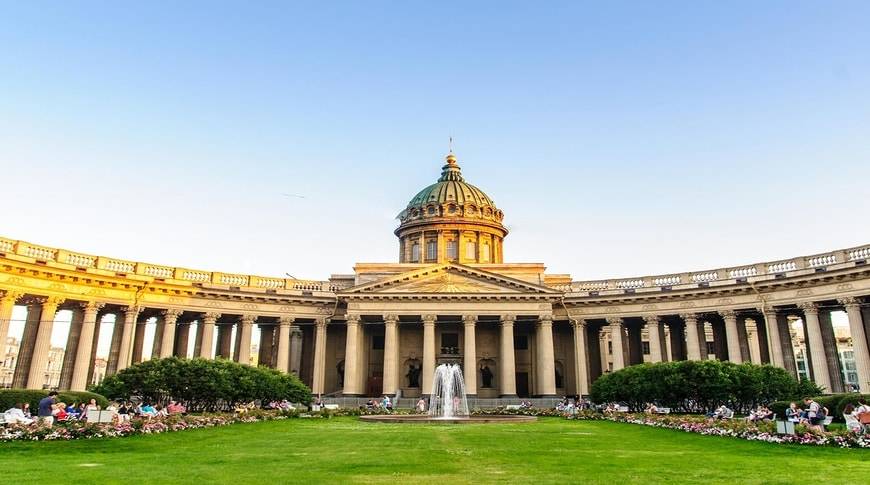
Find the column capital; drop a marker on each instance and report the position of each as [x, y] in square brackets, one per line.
[545, 319]
[469, 319]
[135, 310]
[689, 317]
[54, 301]
[391, 318]
[248, 319]
[614, 320]
[285, 320]
[652, 319]
[849, 301]
[34, 300]
[429, 319]
[91, 306]
[809, 307]
[210, 316]
[578, 322]
[508, 319]
[321, 322]
[727, 314]
[10, 296]
[352, 319]
[171, 314]
[295, 331]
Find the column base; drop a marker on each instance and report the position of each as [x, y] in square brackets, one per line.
[471, 396]
[507, 396]
[345, 394]
[547, 396]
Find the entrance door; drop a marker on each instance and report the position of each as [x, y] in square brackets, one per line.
[523, 384]
[375, 385]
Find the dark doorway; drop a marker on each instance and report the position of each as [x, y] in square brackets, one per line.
[375, 385]
[523, 384]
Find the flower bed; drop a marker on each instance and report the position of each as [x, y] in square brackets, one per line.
[737, 428]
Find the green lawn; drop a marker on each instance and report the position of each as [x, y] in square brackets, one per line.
[346, 450]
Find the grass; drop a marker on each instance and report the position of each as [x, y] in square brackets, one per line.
[344, 450]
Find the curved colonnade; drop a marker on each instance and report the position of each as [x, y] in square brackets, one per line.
[359, 334]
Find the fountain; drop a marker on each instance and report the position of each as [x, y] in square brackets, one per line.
[448, 403]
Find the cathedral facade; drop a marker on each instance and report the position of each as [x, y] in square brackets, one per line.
[450, 298]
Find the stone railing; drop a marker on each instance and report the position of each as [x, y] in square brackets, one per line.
[121, 267]
[723, 276]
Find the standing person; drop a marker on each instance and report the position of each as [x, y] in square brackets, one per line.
[813, 414]
[46, 406]
[421, 405]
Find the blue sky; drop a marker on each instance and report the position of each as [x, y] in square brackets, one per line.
[620, 139]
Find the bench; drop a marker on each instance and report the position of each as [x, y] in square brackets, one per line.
[663, 410]
[331, 407]
[512, 406]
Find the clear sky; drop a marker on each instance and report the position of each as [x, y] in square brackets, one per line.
[620, 138]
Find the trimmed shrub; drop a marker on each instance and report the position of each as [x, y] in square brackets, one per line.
[698, 386]
[11, 397]
[203, 384]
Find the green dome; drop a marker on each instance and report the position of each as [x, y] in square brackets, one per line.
[451, 188]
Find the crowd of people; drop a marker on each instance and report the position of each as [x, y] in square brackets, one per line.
[385, 403]
[813, 414]
[51, 410]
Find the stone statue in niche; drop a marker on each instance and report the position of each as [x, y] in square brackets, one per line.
[413, 375]
[486, 377]
[340, 369]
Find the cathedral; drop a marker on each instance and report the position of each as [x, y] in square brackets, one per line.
[515, 330]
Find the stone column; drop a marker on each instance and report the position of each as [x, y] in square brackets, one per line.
[283, 358]
[816, 345]
[774, 341]
[469, 354]
[98, 324]
[603, 339]
[319, 375]
[581, 363]
[693, 340]
[296, 350]
[653, 327]
[732, 336]
[668, 348]
[351, 357]
[84, 360]
[224, 341]
[72, 345]
[859, 342]
[206, 324]
[428, 352]
[125, 353]
[391, 354]
[7, 304]
[115, 344]
[616, 339]
[267, 337]
[752, 337]
[182, 339]
[158, 336]
[545, 364]
[42, 343]
[243, 349]
[25, 347]
[507, 367]
[167, 345]
[139, 340]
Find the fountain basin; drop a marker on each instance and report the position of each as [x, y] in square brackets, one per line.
[426, 419]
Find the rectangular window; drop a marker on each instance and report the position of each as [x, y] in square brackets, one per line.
[470, 250]
[450, 340]
[711, 348]
[377, 342]
[645, 348]
[521, 342]
[451, 250]
[484, 252]
[415, 253]
[431, 250]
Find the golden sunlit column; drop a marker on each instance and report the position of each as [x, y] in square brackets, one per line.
[731, 336]
[206, 331]
[817, 346]
[243, 351]
[317, 384]
[616, 342]
[284, 323]
[469, 355]
[72, 344]
[391, 354]
[859, 341]
[170, 317]
[428, 352]
[125, 354]
[84, 360]
[42, 344]
[774, 343]
[7, 304]
[693, 344]
[654, 327]
[507, 361]
[546, 363]
[351, 357]
[581, 356]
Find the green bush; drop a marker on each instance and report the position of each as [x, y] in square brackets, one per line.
[203, 384]
[11, 397]
[698, 386]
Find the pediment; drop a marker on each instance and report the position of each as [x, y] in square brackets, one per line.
[449, 278]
